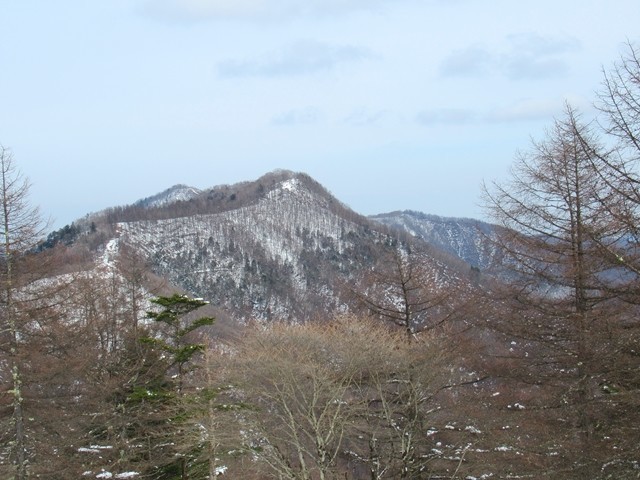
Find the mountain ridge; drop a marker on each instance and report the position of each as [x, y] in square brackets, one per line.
[471, 240]
[278, 247]
[261, 256]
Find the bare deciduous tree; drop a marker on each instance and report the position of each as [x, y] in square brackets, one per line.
[347, 398]
[561, 302]
[300, 392]
[22, 228]
[405, 288]
[619, 104]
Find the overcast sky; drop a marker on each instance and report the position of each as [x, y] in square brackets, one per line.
[390, 104]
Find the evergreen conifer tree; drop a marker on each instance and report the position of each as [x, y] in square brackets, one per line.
[175, 344]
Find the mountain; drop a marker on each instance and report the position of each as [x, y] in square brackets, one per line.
[279, 247]
[470, 240]
[177, 193]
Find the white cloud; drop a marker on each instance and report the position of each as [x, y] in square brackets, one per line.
[300, 58]
[361, 117]
[533, 56]
[446, 116]
[523, 110]
[472, 61]
[302, 116]
[538, 45]
[526, 110]
[526, 56]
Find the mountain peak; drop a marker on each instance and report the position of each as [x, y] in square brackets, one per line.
[177, 193]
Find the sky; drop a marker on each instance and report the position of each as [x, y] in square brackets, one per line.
[390, 104]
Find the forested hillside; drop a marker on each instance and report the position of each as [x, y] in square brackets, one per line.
[266, 330]
[470, 240]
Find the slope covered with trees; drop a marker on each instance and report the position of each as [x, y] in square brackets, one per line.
[288, 251]
[470, 240]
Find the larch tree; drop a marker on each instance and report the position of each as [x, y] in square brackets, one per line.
[403, 289]
[22, 227]
[38, 358]
[559, 303]
[619, 105]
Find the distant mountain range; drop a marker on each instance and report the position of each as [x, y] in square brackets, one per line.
[279, 247]
[470, 240]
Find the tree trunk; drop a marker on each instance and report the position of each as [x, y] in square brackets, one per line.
[16, 376]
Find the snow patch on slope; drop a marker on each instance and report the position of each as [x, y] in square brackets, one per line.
[177, 193]
[110, 253]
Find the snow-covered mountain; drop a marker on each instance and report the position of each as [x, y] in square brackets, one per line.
[278, 247]
[470, 240]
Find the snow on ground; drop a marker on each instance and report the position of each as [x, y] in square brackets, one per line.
[110, 253]
[290, 185]
[107, 474]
